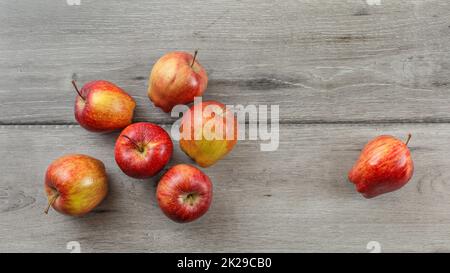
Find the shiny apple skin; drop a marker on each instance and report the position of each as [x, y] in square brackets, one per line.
[174, 188]
[384, 165]
[105, 107]
[173, 81]
[206, 152]
[156, 145]
[80, 182]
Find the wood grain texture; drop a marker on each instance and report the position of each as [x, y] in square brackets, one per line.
[321, 61]
[341, 71]
[294, 199]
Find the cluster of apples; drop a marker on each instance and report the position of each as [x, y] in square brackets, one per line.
[75, 184]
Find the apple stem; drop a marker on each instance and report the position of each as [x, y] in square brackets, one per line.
[408, 139]
[134, 143]
[50, 202]
[76, 89]
[195, 56]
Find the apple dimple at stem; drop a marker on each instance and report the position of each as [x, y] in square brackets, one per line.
[184, 193]
[138, 147]
[190, 198]
[80, 103]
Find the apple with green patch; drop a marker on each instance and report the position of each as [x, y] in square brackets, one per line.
[208, 132]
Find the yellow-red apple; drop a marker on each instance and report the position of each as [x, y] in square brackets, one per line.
[102, 106]
[75, 184]
[176, 78]
[184, 193]
[208, 132]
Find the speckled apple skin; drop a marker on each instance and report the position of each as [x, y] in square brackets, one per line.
[79, 180]
[385, 165]
[176, 183]
[105, 107]
[206, 152]
[173, 81]
[157, 150]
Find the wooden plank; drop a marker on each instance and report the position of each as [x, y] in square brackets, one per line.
[294, 199]
[321, 61]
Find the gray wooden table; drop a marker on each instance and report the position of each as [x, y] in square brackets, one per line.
[342, 72]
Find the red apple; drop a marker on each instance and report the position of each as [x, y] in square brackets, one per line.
[102, 106]
[184, 193]
[176, 78]
[384, 165]
[75, 184]
[143, 149]
[208, 132]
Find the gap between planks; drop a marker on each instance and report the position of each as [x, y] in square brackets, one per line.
[284, 122]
